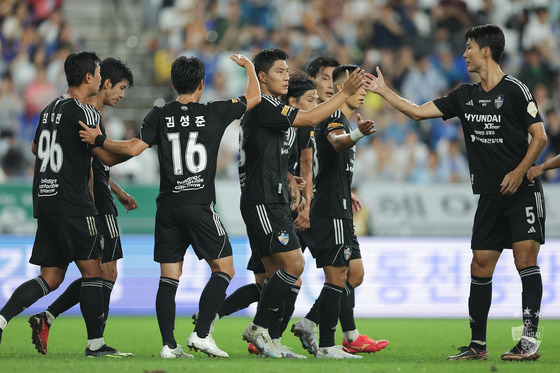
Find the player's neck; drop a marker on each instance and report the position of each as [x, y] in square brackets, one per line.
[96, 101]
[79, 93]
[187, 99]
[265, 91]
[491, 76]
[346, 110]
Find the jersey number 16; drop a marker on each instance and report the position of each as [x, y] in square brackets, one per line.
[191, 149]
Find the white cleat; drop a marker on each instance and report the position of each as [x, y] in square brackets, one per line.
[334, 352]
[206, 345]
[286, 352]
[258, 336]
[306, 331]
[174, 353]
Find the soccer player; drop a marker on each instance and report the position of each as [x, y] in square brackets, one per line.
[331, 210]
[498, 114]
[188, 136]
[263, 176]
[63, 205]
[320, 70]
[116, 77]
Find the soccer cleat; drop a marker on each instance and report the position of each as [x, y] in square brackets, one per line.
[259, 337]
[306, 331]
[106, 351]
[206, 345]
[174, 353]
[252, 349]
[335, 352]
[286, 352]
[39, 331]
[469, 353]
[524, 350]
[364, 344]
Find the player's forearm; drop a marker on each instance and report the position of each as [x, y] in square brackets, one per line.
[321, 112]
[408, 108]
[116, 188]
[536, 146]
[551, 163]
[253, 94]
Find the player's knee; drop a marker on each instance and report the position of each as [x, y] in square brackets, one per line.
[355, 282]
[524, 262]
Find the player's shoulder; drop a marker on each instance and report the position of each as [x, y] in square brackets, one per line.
[267, 100]
[515, 85]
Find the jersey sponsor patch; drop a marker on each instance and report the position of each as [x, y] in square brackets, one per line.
[234, 100]
[532, 109]
[284, 238]
[285, 110]
[335, 125]
[312, 134]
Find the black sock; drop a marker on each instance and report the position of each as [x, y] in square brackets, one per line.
[66, 300]
[273, 295]
[329, 310]
[24, 296]
[313, 314]
[531, 296]
[91, 305]
[240, 299]
[211, 298]
[479, 305]
[165, 309]
[347, 304]
[107, 290]
[277, 329]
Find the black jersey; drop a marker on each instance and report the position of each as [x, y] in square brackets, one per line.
[188, 138]
[263, 152]
[333, 196]
[304, 140]
[495, 127]
[104, 201]
[293, 154]
[63, 161]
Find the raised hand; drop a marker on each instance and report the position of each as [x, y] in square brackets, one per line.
[240, 59]
[375, 84]
[354, 81]
[366, 127]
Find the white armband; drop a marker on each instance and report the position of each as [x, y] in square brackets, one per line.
[356, 135]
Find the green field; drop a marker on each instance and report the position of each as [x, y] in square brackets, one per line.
[415, 345]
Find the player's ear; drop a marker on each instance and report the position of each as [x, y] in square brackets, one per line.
[292, 101]
[201, 85]
[262, 76]
[107, 84]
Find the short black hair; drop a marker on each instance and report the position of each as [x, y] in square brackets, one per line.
[488, 36]
[186, 74]
[340, 71]
[116, 71]
[264, 60]
[297, 86]
[320, 62]
[78, 64]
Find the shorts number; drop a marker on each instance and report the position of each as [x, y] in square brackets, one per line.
[49, 152]
[242, 156]
[530, 215]
[190, 160]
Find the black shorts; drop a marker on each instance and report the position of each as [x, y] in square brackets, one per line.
[255, 264]
[110, 238]
[61, 240]
[502, 220]
[196, 225]
[336, 242]
[270, 229]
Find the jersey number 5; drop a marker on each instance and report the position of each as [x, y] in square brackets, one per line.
[191, 149]
[49, 151]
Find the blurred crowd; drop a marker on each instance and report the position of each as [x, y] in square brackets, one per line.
[418, 44]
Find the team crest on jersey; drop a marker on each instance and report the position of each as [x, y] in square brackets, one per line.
[347, 253]
[284, 238]
[499, 101]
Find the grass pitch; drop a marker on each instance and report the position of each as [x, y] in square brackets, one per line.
[415, 345]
